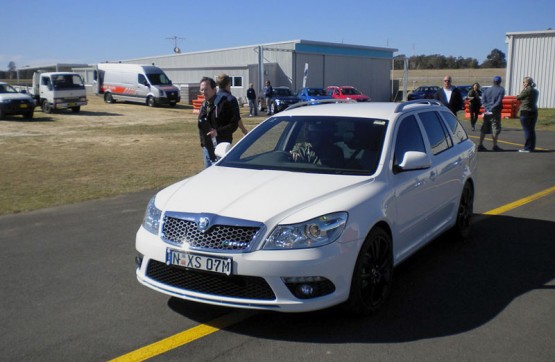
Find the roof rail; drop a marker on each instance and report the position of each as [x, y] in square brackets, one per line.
[320, 101]
[428, 102]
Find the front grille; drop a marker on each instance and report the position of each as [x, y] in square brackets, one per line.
[234, 286]
[218, 237]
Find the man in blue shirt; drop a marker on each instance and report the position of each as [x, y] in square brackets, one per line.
[492, 100]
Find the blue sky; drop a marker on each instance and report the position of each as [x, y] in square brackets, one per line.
[75, 31]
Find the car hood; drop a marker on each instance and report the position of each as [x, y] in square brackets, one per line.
[16, 96]
[257, 195]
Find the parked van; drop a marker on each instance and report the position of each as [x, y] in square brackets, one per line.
[135, 83]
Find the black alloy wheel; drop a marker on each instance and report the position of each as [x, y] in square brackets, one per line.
[372, 275]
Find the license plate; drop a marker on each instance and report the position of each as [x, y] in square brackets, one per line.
[199, 262]
[23, 105]
[71, 104]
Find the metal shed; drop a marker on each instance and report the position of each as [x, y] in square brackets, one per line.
[532, 53]
[283, 64]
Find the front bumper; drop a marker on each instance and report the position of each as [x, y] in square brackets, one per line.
[260, 280]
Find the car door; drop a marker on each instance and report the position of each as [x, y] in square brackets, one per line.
[446, 172]
[414, 199]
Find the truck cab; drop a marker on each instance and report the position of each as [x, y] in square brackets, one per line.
[59, 90]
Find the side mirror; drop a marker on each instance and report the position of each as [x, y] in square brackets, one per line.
[222, 149]
[414, 160]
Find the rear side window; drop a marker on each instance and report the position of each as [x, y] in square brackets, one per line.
[455, 126]
[436, 131]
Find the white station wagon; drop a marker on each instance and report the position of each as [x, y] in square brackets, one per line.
[313, 208]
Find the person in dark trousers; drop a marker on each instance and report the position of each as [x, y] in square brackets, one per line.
[492, 99]
[474, 104]
[251, 96]
[218, 116]
[528, 98]
[450, 96]
[268, 93]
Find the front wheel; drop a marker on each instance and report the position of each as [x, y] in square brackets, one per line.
[46, 107]
[108, 98]
[150, 101]
[76, 109]
[372, 275]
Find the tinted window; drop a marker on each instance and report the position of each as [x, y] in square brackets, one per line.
[436, 132]
[409, 138]
[455, 126]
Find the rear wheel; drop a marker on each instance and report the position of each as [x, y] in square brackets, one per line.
[462, 227]
[76, 109]
[372, 275]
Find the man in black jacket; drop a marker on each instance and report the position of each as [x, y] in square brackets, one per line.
[449, 95]
[219, 116]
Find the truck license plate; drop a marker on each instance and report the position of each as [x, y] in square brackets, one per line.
[23, 105]
[199, 262]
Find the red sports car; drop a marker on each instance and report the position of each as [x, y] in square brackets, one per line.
[347, 92]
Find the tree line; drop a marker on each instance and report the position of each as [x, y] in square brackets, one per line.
[496, 59]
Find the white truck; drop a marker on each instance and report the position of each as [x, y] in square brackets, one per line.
[146, 84]
[58, 90]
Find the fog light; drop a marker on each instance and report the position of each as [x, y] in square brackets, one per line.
[305, 290]
[308, 287]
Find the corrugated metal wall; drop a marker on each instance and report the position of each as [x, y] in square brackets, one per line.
[366, 68]
[532, 54]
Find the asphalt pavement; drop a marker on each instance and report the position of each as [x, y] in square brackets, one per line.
[69, 290]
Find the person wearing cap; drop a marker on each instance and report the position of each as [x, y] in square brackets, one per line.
[528, 98]
[492, 100]
[449, 95]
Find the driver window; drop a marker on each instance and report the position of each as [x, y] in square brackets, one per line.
[142, 79]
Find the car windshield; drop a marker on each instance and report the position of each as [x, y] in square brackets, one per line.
[67, 81]
[158, 79]
[316, 144]
[6, 88]
[351, 91]
[282, 92]
[316, 92]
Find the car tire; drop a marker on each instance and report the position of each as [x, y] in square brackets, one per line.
[76, 109]
[108, 98]
[150, 101]
[46, 107]
[465, 211]
[28, 115]
[372, 275]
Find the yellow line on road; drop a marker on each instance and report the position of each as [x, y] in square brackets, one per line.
[518, 203]
[189, 335]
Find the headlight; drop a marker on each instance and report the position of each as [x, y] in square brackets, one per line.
[151, 221]
[310, 234]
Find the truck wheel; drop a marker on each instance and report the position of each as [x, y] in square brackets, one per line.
[76, 109]
[150, 101]
[108, 98]
[28, 115]
[46, 107]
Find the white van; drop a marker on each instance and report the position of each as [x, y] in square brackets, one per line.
[135, 83]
